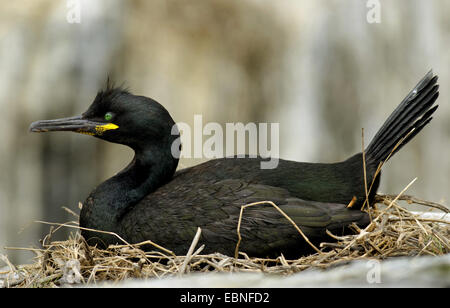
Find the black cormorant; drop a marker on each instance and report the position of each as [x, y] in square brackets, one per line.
[148, 200]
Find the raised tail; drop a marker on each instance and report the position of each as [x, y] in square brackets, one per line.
[407, 120]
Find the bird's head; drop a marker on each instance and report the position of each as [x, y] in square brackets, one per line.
[118, 116]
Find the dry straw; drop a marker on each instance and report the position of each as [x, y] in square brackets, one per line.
[394, 231]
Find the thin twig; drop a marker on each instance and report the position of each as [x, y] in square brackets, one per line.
[191, 250]
[366, 202]
[236, 251]
[410, 199]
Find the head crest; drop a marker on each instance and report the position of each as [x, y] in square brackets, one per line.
[111, 91]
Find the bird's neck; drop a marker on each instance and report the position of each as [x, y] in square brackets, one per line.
[150, 168]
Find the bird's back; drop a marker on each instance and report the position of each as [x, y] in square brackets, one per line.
[210, 196]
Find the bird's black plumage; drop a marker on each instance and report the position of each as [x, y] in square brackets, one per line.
[148, 200]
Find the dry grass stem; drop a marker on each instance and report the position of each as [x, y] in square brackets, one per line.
[236, 252]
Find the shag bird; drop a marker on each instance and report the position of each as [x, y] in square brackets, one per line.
[149, 200]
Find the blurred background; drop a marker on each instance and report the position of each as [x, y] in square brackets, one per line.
[319, 68]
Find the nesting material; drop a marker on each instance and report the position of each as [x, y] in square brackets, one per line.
[394, 231]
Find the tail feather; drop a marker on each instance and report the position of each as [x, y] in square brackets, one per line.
[407, 120]
[408, 113]
[396, 119]
[405, 129]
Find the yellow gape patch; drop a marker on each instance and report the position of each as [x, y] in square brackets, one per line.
[100, 129]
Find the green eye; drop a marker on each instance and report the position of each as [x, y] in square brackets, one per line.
[108, 116]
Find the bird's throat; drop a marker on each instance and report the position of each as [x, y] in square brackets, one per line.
[113, 199]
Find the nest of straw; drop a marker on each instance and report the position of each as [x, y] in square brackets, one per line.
[394, 231]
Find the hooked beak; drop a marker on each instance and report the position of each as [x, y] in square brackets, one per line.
[73, 124]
